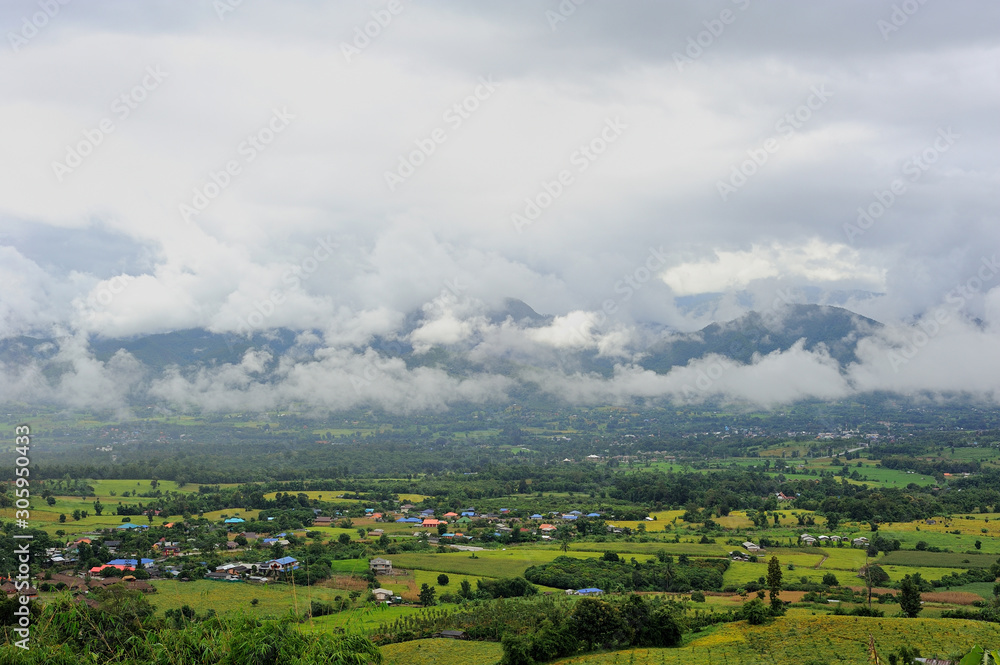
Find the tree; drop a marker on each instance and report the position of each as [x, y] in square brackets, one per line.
[909, 595]
[465, 589]
[595, 622]
[832, 521]
[427, 595]
[754, 612]
[979, 544]
[564, 535]
[77, 514]
[62, 518]
[830, 579]
[98, 507]
[443, 579]
[344, 539]
[51, 500]
[774, 582]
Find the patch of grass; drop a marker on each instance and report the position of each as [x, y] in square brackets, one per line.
[798, 638]
[273, 599]
[435, 651]
[938, 559]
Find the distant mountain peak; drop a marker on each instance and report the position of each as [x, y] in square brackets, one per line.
[520, 312]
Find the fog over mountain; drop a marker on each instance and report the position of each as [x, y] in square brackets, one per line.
[340, 204]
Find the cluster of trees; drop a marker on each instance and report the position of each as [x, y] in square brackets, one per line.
[624, 622]
[611, 573]
[123, 629]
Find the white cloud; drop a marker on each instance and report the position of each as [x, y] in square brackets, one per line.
[814, 262]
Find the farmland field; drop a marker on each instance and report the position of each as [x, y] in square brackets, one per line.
[938, 559]
[793, 640]
[490, 563]
[224, 597]
[433, 651]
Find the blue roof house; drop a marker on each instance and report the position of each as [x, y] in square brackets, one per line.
[284, 564]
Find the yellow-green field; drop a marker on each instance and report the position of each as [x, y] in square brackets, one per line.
[273, 599]
[442, 651]
[791, 640]
[491, 563]
[794, 640]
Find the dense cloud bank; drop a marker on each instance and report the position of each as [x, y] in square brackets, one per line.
[364, 174]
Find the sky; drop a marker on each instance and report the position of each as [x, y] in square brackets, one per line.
[338, 167]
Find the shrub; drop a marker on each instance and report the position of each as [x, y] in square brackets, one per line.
[755, 612]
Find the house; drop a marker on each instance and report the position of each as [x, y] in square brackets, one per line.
[452, 634]
[10, 589]
[97, 570]
[751, 547]
[131, 563]
[68, 581]
[376, 533]
[322, 520]
[380, 566]
[860, 541]
[235, 520]
[382, 595]
[140, 585]
[282, 565]
[222, 576]
[591, 591]
[112, 545]
[546, 528]
[450, 514]
[430, 521]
